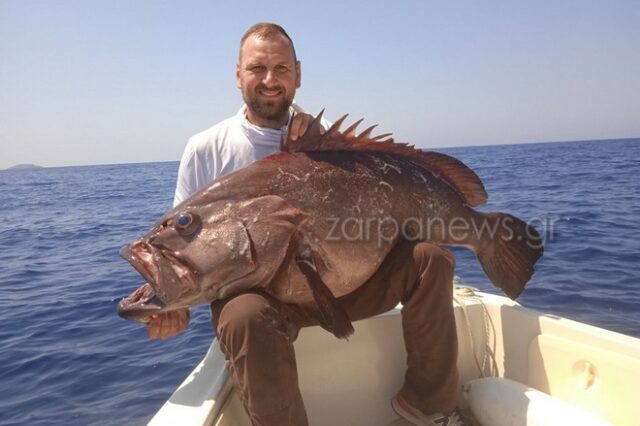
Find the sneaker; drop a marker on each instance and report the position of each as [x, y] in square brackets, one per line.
[418, 418]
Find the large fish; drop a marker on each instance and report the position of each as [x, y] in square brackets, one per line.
[314, 222]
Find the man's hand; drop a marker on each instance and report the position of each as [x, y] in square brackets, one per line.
[168, 324]
[300, 124]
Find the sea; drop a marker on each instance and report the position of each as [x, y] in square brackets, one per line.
[66, 358]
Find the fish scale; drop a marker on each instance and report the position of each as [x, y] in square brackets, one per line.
[314, 222]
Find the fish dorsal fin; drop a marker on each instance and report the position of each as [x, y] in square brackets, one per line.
[452, 171]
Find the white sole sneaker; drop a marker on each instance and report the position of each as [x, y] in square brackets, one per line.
[418, 418]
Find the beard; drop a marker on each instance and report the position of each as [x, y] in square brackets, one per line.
[268, 109]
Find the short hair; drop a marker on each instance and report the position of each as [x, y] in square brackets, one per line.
[267, 30]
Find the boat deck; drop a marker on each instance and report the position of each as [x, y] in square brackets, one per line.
[352, 382]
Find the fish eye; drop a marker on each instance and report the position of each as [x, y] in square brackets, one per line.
[184, 220]
[187, 223]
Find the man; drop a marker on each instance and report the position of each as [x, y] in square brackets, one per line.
[256, 331]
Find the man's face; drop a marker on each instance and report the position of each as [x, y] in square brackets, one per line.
[268, 76]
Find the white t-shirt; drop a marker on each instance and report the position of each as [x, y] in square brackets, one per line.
[229, 145]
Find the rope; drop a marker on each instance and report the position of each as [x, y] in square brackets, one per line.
[460, 294]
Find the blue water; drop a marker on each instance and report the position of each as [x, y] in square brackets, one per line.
[67, 359]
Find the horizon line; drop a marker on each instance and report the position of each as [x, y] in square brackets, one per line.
[38, 166]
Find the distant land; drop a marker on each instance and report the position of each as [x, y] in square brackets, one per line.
[25, 167]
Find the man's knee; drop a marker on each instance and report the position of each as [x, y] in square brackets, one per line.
[244, 310]
[426, 254]
[248, 313]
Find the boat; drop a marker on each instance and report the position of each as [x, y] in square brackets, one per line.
[517, 367]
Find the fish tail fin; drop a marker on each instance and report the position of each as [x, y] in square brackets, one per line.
[509, 249]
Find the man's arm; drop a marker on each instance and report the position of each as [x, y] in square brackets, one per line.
[186, 184]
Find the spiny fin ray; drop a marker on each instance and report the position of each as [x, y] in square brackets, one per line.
[452, 171]
[351, 130]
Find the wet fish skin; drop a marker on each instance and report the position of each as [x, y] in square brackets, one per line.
[303, 218]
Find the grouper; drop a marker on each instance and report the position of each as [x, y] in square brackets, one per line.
[313, 222]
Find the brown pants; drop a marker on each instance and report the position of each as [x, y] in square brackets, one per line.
[256, 333]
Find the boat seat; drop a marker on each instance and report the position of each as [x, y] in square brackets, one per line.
[586, 376]
[503, 402]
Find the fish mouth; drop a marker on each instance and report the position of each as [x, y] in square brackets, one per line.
[167, 275]
[140, 256]
[140, 304]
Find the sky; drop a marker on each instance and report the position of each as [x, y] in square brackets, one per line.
[101, 82]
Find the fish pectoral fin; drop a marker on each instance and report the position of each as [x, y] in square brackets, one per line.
[334, 318]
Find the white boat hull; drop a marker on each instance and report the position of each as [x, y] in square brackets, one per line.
[351, 383]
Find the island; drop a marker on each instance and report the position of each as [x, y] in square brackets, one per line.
[25, 167]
